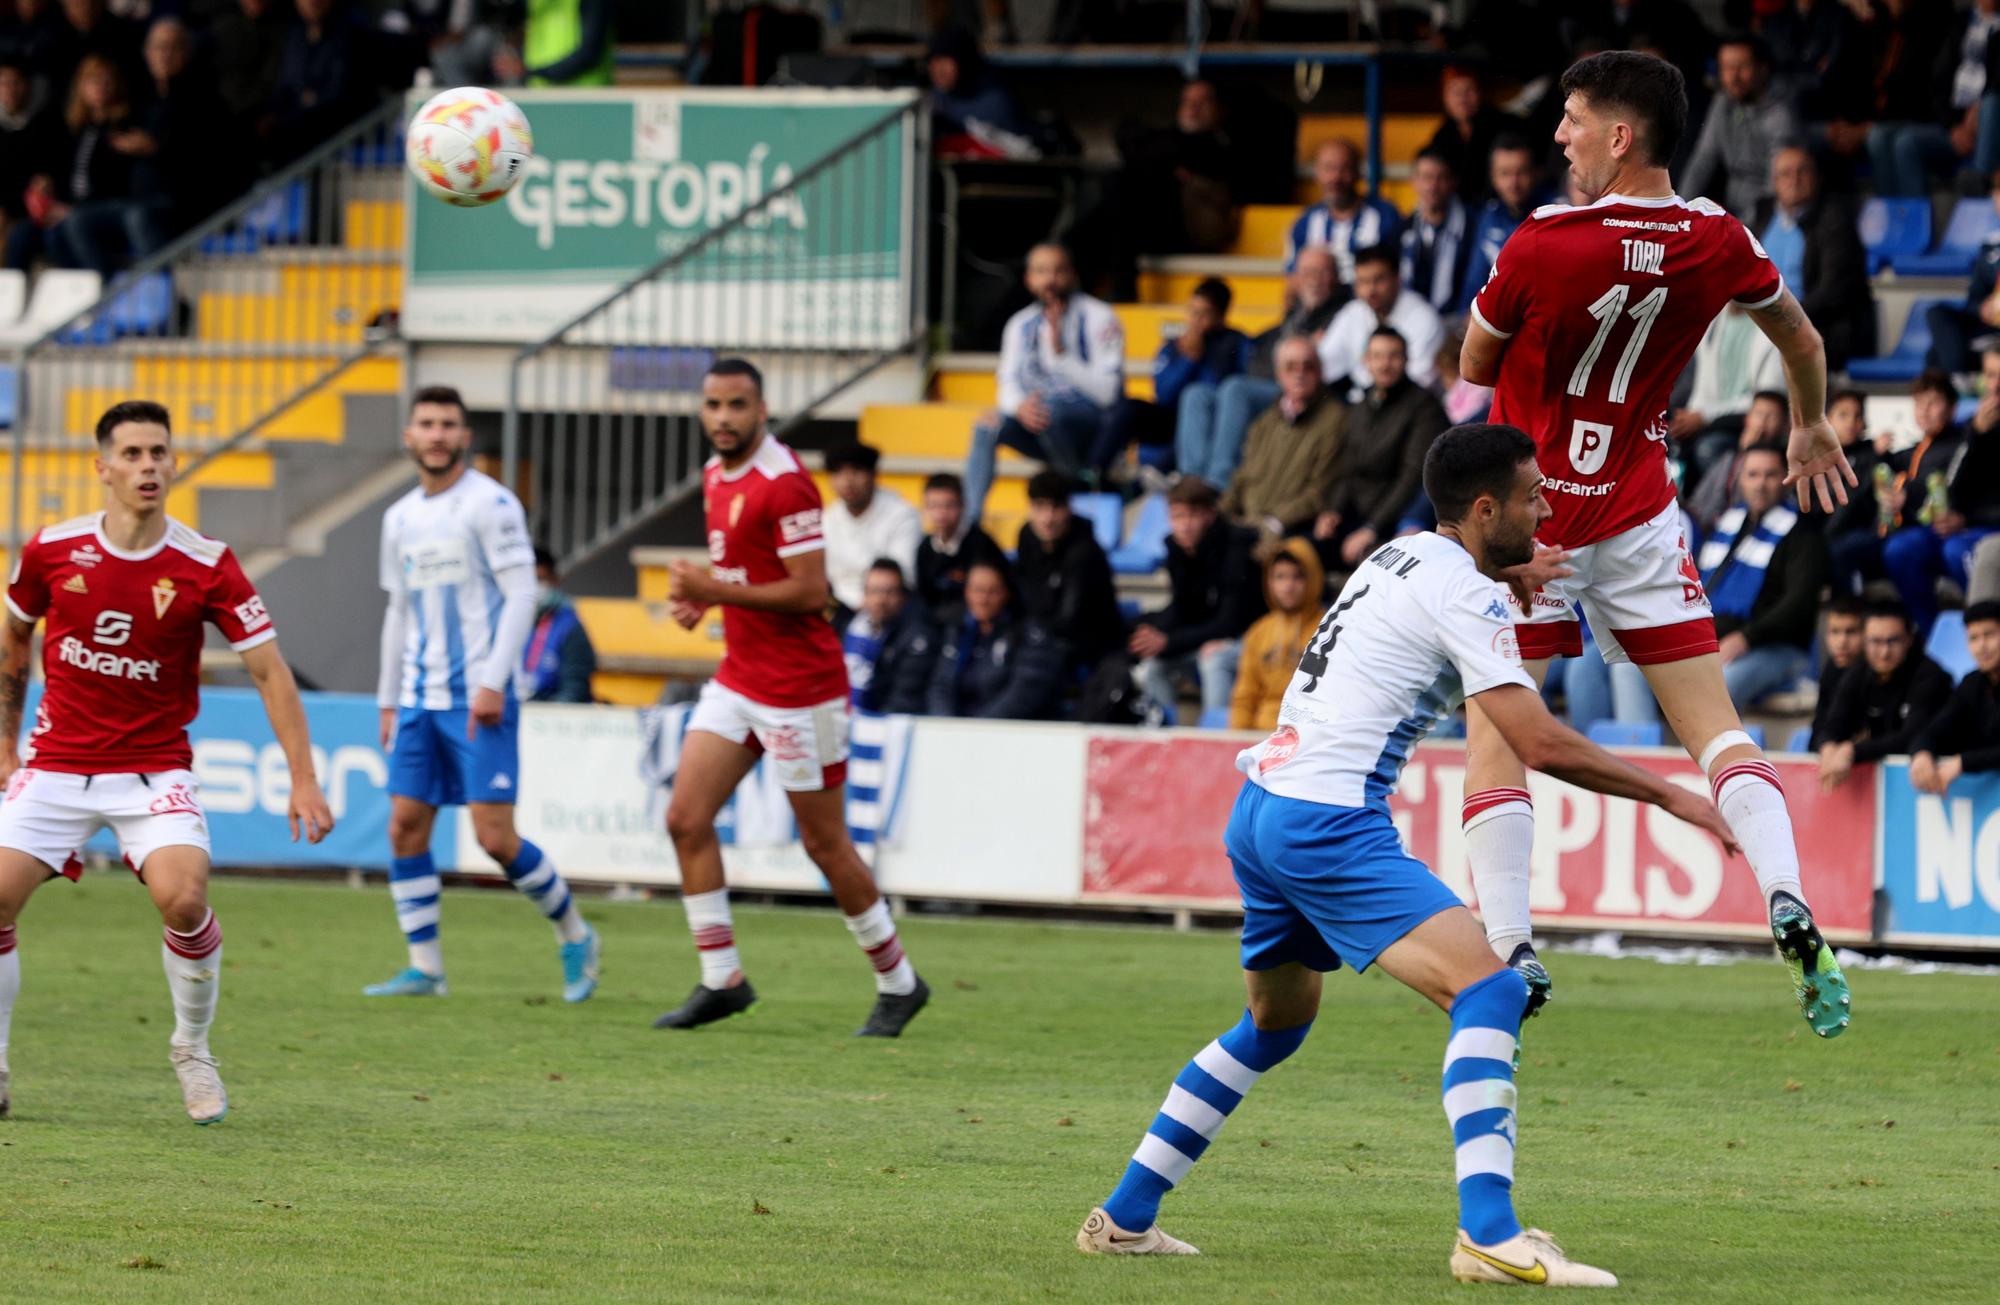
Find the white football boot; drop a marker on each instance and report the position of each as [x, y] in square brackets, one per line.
[1100, 1236]
[1530, 1258]
[201, 1086]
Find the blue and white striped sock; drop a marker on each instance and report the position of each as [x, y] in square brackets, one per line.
[1202, 1097]
[413, 883]
[535, 875]
[1479, 1102]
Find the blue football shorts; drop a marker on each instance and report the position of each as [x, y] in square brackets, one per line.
[433, 762]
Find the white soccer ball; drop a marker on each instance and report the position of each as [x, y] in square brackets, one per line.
[468, 146]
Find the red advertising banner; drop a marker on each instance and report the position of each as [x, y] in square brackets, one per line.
[1155, 809]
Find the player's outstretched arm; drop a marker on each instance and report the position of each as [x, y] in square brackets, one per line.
[287, 713]
[802, 591]
[15, 643]
[1815, 461]
[1546, 744]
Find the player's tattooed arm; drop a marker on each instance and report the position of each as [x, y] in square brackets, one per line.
[1479, 357]
[14, 647]
[1785, 324]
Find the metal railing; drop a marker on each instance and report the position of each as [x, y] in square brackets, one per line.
[232, 326]
[819, 283]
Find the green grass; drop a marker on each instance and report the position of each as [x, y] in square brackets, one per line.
[1678, 1124]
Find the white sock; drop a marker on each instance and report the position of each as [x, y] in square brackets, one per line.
[194, 972]
[1750, 798]
[10, 987]
[714, 936]
[876, 933]
[428, 956]
[1499, 842]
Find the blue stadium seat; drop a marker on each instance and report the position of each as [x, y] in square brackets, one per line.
[10, 396]
[1215, 718]
[278, 219]
[1624, 734]
[1106, 514]
[146, 307]
[1972, 220]
[1908, 358]
[1801, 739]
[1146, 549]
[1892, 227]
[1946, 645]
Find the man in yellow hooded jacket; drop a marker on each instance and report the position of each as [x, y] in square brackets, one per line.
[1294, 585]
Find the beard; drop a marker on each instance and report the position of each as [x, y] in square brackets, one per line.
[429, 460]
[1511, 551]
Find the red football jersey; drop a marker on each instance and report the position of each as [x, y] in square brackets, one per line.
[758, 515]
[121, 651]
[1603, 306]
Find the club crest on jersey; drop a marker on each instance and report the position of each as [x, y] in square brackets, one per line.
[1589, 446]
[735, 510]
[163, 597]
[86, 555]
[75, 585]
[1278, 749]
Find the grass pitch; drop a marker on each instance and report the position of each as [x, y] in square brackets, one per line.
[1678, 1124]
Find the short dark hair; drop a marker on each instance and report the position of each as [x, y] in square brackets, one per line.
[1384, 254]
[1217, 292]
[949, 481]
[1843, 605]
[1772, 396]
[1470, 461]
[1771, 447]
[442, 394]
[998, 566]
[1194, 492]
[1050, 487]
[1934, 380]
[1390, 333]
[1760, 51]
[1842, 396]
[1514, 143]
[140, 410]
[544, 559]
[1431, 154]
[852, 453]
[1648, 88]
[893, 567]
[1285, 557]
[1986, 611]
[737, 367]
[1889, 610]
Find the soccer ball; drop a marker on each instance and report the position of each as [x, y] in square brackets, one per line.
[468, 146]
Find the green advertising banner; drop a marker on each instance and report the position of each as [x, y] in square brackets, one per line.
[621, 179]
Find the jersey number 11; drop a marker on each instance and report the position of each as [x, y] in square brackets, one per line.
[1590, 441]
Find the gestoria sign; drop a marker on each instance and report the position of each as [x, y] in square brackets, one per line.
[622, 178]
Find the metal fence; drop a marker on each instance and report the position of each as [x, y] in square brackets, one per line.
[234, 326]
[819, 282]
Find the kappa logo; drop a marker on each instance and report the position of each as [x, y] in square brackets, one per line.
[163, 597]
[1497, 609]
[501, 782]
[75, 585]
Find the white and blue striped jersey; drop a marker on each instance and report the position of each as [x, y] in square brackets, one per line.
[449, 562]
[1416, 630]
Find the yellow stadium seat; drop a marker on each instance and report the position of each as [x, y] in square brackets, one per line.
[1403, 134]
[1255, 291]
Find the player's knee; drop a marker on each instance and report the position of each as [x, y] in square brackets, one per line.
[409, 834]
[823, 842]
[497, 841]
[686, 826]
[184, 910]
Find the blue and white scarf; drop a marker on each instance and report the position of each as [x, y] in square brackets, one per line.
[1733, 580]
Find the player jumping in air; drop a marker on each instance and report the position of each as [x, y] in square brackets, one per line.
[781, 691]
[1590, 315]
[460, 573]
[126, 593]
[1324, 876]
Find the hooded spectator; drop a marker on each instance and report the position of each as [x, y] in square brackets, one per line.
[1294, 586]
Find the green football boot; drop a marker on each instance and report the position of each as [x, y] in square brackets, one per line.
[1816, 978]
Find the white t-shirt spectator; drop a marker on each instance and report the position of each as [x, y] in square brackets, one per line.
[889, 528]
[1090, 364]
[1345, 345]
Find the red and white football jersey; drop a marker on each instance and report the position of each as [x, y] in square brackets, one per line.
[763, 512]
[1603, 306]
[121, 650]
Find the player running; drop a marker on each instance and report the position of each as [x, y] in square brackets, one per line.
[1589, 316]
[460, 573]
[781, 691]
[1324, 876]
[126, 593]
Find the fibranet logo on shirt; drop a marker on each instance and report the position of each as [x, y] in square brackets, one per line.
[71, 652]
[799, 525]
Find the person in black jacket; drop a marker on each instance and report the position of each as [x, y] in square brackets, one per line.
[890, 646]
[1944, 539]
[1830, 276]
[1955, 326]
[998, 665]
[1839, 650]
[1064, 577]
[1884, 700]
[1764, 565]
[1964, 738]
[1217, 590]
[952, 545]
[199, 150]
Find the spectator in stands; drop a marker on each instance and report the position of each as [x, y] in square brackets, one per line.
[85, 27]
[1839, 650]
[25, 133]
[565, 43]
[1815, 53]
[1745, 126]
[1464, 401]
[1883, 701]
[1213, 419]
[28, 37]
[1064, 577]
[245, 44]
[1942, 544]
[199, 163]
[1214, 598]
[1983, 581]
[1380, 300]
[559, 658]
[1906, 154]
[1813, 240]
[83, 212]
[1464, 140]
[1954, 328]
[1515, 184]
[1767, 422]
[1733, 364]
[891, 647]
[1763, 566]
[864, 522]
[950, 546]
[1847, 413]
[997, 664]
[1062, 367]
[973, 114]
[456, 39]
[1344, 220]
[1382, 452]
[1294, 586]
[1964, 737]
[1437, 239]
[1208, 351]
[326, 78]
[1293, 451]
[1668, 28]
[1912, 488]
